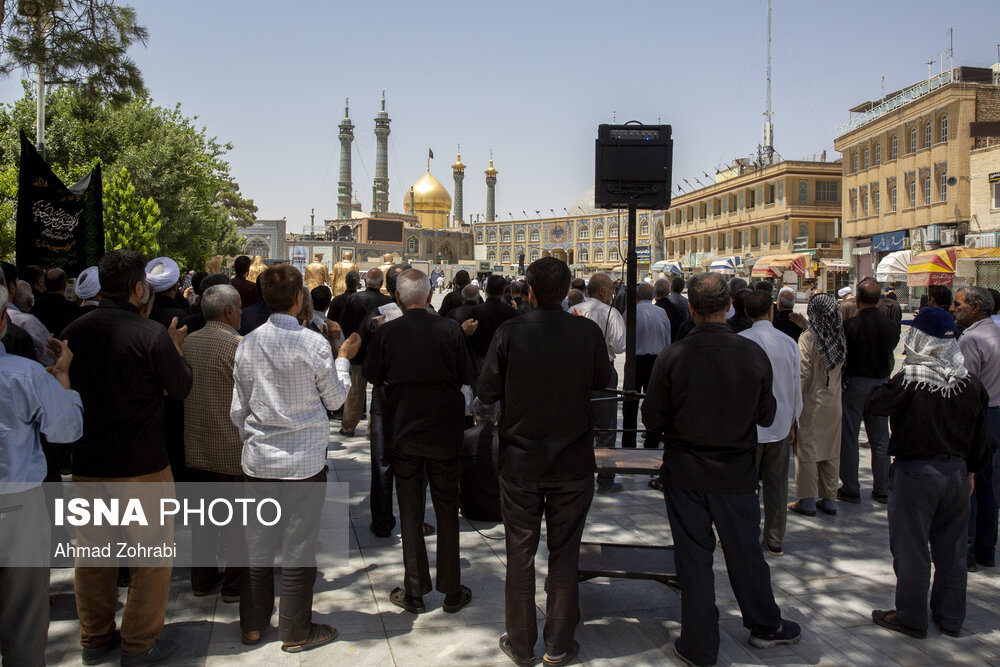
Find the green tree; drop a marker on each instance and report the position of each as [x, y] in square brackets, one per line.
[79, 42]
[130, 222]
[8, 209]
[169, 158]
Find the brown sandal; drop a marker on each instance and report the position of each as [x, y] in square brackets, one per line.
[319, 634]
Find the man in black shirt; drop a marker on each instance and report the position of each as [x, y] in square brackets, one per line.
[123, 365]
[358, 305]
[489, 316]
[934, 461]
[785, 318]
[546, 454]
[424, 422]
[51, 306]
[470, 300]
[871, 339]
[710, 470]
[739, 322]
[676, 313]
[453, 299]
[353, 281]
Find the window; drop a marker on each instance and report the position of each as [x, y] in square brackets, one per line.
[874, 196]
[752, 198]
[826, 191]
[786, 233]
[927, 135]
[519, 236]
[583, 255]
[613, 253]
[996, 195]
[913, 139]
[865, 162]
[535, 236]
[644, 228]
[781, 192]
[892, 198]
[533, 255]
[927, 189]
[598, 231]
[583, 233]
[803, 192]
[702, 211]
[878, 153]
[944, 127]
[854, 206]
[479, 237]
[491, 236]
[741, 202]
[613, 230]
[505, 236]
[491, 256]
[754, 237]
[895, 147]
[729, 239]
[505, 257]
[913, 192]
[864, 204]
[598, 254]
[769, 193]
[943, 185]
[411, 244]
[854, 162]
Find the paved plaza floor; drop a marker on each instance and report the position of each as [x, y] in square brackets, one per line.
[834, 572]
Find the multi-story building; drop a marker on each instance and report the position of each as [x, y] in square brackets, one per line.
[595, 241]
[906, 169]
[761, 219]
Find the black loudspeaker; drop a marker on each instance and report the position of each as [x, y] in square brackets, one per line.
[633, 166]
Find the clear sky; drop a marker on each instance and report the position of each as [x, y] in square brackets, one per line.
[530, 80]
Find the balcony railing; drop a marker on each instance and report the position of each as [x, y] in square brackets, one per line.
[905, 97]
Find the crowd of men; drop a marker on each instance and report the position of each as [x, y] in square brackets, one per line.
[227, 379]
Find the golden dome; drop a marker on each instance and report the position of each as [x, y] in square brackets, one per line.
[491, 171]
[458, 166]
[429, 195]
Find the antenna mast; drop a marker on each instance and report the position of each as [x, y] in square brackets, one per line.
[768, 147]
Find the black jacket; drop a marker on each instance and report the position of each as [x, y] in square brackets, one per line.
[336, 310]
[165, 309]
[543, 365]
[871, 339]
[489, 315]
[53, 310]
[452, 300]
[675, 315]
[358, 305]
[925, 423]
[254, 316]
[423, 360]
[122, 365]
[707, 394]
[18, 342]
[784, 324]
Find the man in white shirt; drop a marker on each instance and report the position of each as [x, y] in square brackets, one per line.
[285, 380]
[21, 301]
[775, 440]
[652, 334]
[597, 307]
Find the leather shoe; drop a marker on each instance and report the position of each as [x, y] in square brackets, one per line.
[158, 652]
[847, 498]
[799, 509]
[93, 655]
[413, 605]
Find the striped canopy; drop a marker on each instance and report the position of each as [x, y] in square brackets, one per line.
[775, 266]
[935, 267]
[667, 267]
[726, 264]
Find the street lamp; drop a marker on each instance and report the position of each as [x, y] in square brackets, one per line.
[40, 12]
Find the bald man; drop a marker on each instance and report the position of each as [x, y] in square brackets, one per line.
[358, 305]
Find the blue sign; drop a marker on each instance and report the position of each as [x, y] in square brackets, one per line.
[643, 254]
[888, 242]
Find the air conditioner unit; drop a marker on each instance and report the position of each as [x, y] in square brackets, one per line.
[972, 241]
[948, 236]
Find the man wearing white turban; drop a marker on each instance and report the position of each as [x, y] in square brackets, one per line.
[88, 292]
[163, 275]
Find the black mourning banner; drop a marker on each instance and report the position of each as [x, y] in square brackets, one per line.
[57, 225]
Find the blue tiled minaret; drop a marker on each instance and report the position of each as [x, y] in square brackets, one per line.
[458, 169]
[380, 198]
[491, 191]
[344, 185]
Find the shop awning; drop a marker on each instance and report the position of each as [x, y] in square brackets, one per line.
[774, 266]
[979, 253]
[836, 265]
[936, 267]
[893, 268]
[667, 267]
[725, 264]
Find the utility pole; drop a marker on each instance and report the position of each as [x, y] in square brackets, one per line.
[37, 12]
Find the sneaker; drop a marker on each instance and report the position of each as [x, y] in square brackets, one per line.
[847, 498]
[158, 652]
[773, 549]
[94, 655]
[788, 632]
[611, 488]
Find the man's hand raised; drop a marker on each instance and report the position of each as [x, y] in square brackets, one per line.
[177, 335]
[469, 326]
[350, 347]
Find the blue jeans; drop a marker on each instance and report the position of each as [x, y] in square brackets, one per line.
[983, 514]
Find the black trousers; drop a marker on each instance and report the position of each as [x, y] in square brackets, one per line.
[24, 591]
[565, 505]
[380, 495]
[304, 502]
[928, 503]
[737, 520]
[630, 409]
[206, 542]
[442, 476]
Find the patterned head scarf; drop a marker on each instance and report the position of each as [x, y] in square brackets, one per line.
[827, 325]
[933, 363]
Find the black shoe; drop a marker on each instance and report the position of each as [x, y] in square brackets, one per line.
[413, 605]
[564, 659]
[945, 631]
[214, 583]
[94, 655]
[972, 567]
[990, 562]
[656, 484]
[344, 431]
[773, 549]
[230, 597]
[610, 488]
[453, 604]
[847, 498]
[889, 619]
[683, 658]
[797, 508]
[880, 497]
[506, 648]
[788, 632]
[382, 534]
[158, 652]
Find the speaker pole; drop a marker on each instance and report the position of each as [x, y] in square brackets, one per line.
[628, 386]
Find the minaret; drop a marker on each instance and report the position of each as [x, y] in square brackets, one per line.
[491, 191]
[344, 185]
[380, 194]
[458, 169]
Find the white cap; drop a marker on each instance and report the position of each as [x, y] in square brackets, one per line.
[87, 283]
[843, 291]
[162, 273]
